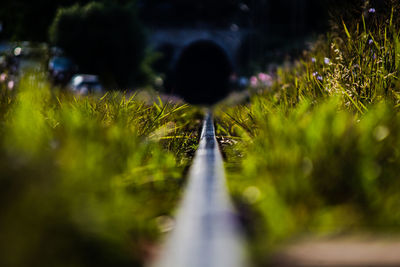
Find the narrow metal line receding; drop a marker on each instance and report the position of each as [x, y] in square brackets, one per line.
[206, 232]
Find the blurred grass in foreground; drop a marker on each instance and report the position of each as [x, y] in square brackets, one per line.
[314, 170]
[318, 152]
[87, 181]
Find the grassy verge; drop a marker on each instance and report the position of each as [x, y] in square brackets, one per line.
[318, 151]
[88, 181]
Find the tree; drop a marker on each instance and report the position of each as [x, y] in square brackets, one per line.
[29, 20]
[105, 39]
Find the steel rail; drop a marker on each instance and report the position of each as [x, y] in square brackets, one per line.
[206, 233]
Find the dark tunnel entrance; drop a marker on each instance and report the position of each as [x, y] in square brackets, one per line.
[202, 73]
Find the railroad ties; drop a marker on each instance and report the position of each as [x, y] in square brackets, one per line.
[206, 232]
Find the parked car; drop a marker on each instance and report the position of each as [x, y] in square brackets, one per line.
[61, 69]
[84, 84]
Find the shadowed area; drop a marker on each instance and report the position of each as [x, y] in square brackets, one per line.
[202, 73]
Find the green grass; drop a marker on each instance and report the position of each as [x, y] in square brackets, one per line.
[316, 155]
[93, 181]
[314, 170]
[88, 181]
[358, 61]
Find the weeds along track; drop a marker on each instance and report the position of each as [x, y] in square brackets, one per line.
[206, 233]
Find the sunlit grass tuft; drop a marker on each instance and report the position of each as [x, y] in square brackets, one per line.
[358, 61]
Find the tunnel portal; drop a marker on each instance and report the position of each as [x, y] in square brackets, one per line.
[202, 73]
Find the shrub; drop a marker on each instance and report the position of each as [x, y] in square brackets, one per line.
[105, 39]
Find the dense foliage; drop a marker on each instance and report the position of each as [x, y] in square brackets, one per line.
[104, 39]
[29, 20]
[87, 181]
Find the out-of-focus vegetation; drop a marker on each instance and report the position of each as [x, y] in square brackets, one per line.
[313, 169]
[25, 20]
[105, 39]
[88, 181]
[317, 151]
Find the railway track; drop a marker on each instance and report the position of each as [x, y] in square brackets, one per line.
[206, 232]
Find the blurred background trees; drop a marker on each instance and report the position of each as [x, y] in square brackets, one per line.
[103, 38]
[30, 20]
